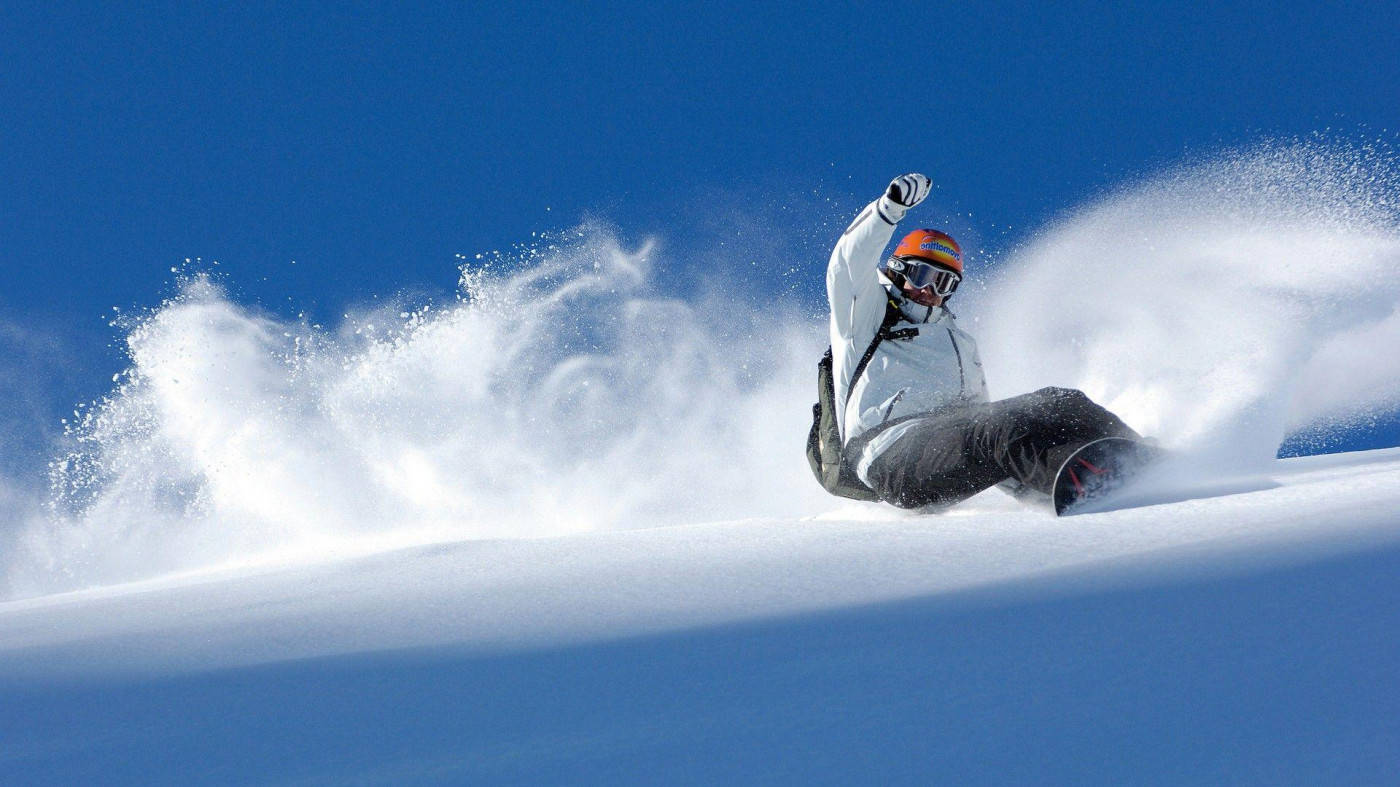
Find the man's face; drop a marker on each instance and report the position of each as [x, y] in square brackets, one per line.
[923, 297]
[926, 283]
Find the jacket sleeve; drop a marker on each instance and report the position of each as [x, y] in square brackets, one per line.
[855, 293]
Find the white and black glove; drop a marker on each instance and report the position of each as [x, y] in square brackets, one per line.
[904, 192]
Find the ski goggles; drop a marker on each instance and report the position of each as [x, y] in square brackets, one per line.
[921, 274]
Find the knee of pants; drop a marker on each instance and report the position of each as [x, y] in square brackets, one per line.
[1052, 392]
[1061, 410]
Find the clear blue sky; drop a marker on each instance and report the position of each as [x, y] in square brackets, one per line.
[372, 141]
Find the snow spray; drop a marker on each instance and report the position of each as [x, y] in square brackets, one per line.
[1216, 306]
[559, 394]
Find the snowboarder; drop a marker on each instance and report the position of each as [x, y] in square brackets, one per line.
[916, 426]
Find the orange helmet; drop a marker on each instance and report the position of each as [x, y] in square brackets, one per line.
[932, 246]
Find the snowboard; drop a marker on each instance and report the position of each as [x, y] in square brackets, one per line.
[1097, 469]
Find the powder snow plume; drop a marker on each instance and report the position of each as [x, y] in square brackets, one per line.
[558, 395]
[1218, 306]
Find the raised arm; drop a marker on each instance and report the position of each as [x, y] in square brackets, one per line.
[852, 269]
[852, 281]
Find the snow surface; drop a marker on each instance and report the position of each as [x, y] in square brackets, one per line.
[560, 531]
[1242, 638]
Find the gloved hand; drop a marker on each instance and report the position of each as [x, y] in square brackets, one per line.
[904, 192]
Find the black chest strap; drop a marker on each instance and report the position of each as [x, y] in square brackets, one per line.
[886, 331]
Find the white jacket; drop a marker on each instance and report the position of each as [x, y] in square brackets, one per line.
[936, 367]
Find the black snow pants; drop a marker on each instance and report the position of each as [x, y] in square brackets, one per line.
[949, 456]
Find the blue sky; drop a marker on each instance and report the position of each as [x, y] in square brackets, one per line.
[370, 142]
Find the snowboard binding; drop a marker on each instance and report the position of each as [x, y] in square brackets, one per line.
[1097, 469]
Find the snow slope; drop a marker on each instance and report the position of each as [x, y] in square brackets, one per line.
[1243, 638]
[560, 530]
[1219, 307]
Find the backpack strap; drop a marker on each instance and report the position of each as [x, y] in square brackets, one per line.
[892, 316]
